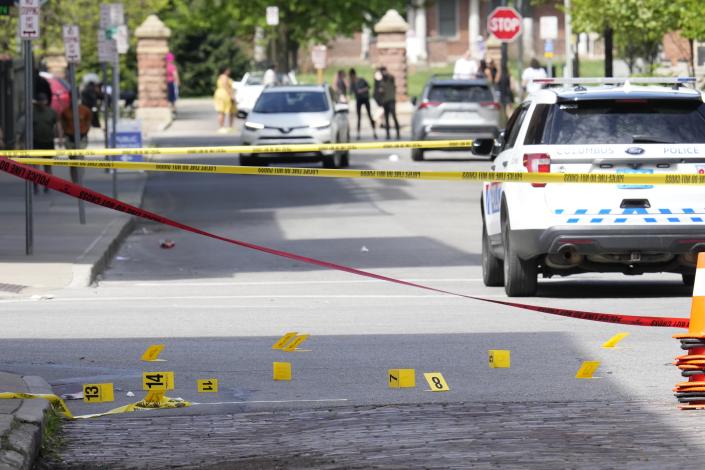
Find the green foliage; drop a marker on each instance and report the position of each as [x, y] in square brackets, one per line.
[639, 25]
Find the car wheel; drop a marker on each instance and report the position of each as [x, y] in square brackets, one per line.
[492, 267]
[520, 276]
[345, 160]
[688, 279]
[247, 161]
[417, 155]
[333, 161]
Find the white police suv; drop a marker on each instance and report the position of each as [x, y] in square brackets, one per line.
[612, 126]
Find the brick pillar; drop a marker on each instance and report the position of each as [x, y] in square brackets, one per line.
[391, 49]
[152, 47]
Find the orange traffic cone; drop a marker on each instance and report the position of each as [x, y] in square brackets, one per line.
[692, 393]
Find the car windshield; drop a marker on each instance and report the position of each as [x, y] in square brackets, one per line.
[625, 121]
[254, 79]
[291, 102]
[460, 93]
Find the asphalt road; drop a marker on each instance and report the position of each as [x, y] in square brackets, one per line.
[218, 308]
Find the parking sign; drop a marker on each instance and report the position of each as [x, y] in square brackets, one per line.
[72, 43]
[29, 19]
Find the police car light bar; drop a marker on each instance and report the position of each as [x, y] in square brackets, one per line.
[615, 80]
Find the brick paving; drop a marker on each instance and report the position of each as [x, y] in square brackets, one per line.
[461, 435]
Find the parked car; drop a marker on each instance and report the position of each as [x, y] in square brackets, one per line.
[621, 126]
[249, 88]
[297, 114]
[455, 109]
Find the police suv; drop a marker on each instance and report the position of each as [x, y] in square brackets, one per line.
[648, 125]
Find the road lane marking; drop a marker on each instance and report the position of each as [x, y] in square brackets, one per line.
[276, 283]
[320, 400]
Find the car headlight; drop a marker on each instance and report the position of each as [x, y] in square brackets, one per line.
[321, 125]
[253, 126]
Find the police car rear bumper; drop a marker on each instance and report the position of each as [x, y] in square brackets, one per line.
[609, 239]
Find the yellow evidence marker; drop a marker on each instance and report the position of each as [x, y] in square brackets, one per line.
[499, 358]
[291, 347]
[152, 353]
[207, 385]
[281, 342]
[98, 393]
[587, 369]
[281, 370]
[436, 381]
[612, 342]
[157, 381]
[401, 378]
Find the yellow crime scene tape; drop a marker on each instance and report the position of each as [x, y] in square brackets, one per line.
[295, 148]
[507, 177]
[60, 405]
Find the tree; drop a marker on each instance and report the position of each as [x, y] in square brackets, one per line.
[690, 14]
[638, 25]
[85, 14]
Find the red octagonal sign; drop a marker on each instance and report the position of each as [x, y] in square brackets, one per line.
[504, 23]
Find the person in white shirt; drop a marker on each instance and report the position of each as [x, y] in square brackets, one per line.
[532, 72]
[465, 67]
[270, 76]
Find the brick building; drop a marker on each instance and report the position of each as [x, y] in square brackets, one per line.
[442, 30]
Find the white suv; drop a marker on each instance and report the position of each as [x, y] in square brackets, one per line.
[563, 229]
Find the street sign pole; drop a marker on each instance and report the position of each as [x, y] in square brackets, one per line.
[76, 173]
[116, 115]
[28, 142]
[104, 102]
[28, 29]
[72, 48]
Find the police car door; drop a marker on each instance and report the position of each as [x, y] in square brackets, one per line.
[509, 159]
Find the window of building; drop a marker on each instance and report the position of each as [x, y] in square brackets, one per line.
[447, 17]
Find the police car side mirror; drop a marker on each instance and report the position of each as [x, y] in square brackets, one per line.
[482, 146]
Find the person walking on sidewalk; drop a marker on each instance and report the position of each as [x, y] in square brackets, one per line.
[172, 82]
[45, 127]
[389, 99]
[341, 88]
[85, 117]
[224, 100]
[361, 90]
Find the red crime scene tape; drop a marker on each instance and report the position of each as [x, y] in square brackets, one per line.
[58, 184]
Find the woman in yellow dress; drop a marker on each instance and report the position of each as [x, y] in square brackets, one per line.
[224, 100]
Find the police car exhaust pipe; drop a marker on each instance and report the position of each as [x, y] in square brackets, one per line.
[567, 257]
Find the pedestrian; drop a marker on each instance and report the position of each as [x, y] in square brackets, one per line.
[360, 89]
[45, 127]
[465, 67]
[532, 72]
[84, 125]
[341, 88]
[89, 97]
[389, 100]
[378, 96]
[492, 71]
[224, 100]
[270, 75]
[172, 82]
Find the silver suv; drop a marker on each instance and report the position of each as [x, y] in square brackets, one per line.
[453, 109]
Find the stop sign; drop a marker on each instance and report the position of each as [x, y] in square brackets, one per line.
[504, 23]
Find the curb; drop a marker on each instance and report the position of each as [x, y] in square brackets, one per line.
[98, 258]
[20, 447]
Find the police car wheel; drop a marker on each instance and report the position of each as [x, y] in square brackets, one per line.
[417, 155]
[247, 161]
[492, 267]
[520, 276]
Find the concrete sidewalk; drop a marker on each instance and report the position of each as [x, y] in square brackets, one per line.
[21, 421]
[66, 253]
